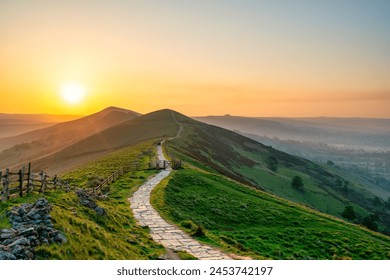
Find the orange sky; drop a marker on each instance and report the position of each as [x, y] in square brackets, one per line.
[250, 58]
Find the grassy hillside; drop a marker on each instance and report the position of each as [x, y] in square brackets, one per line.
[249, 162]
[90, 236]
[247, 221]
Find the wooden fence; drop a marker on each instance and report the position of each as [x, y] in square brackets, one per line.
[114, 176]
[23, 182]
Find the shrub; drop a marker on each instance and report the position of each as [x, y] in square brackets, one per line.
[297, 183]
[349, 213]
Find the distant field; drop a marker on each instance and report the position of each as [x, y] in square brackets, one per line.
[247, 221]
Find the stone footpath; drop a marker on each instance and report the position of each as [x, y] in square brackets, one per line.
[162, 232]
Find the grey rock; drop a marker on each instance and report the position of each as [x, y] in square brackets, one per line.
[33, 240]
[35, 217]
[100, 211]
[18, 251]
[6, 256]
[6, 242]
[28, 232]
[29, 255]
[6, 234]
[47, 222]
[18, 242]
[41, 202]
[16, 219]
[36, 222]
[37, 213]
[60, 239]
[4, 248]
[44, 240]
[22, 211]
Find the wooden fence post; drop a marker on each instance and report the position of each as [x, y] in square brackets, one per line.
[29, 178]
[21, 177]
[6, 186]
[43, 180]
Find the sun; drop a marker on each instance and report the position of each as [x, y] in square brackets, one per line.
[72, 92]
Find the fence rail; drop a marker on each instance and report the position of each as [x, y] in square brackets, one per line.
[114, 176]
[24, 182]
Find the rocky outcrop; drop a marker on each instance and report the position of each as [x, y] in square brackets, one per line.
[31, 226]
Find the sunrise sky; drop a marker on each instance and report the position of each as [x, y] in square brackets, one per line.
[249, 58]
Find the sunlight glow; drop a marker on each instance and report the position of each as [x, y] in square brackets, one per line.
[72, 92]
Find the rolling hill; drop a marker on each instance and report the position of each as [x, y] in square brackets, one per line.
[155, 125]
[245, 221]
[233, 193]
[251, 163]
[232, 155]
[42, 142]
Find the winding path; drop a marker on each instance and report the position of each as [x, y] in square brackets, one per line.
[170, 236]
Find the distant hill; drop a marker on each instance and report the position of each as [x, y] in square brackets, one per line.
[16, 124]
[349, 132]
[156, 125]
[51, 139]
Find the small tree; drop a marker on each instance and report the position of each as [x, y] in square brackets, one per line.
[349, 213]
[297, 183]
[272, 163]
[370, 222]
[329, 162]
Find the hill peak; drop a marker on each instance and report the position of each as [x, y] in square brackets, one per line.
[117, 109]
[167, 114]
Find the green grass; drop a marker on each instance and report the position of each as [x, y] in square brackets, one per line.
[249, 222]
[245, 161]
[185, 256]
[115, 236]
[83, 175]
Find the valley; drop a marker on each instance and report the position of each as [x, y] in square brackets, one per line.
[357, 144]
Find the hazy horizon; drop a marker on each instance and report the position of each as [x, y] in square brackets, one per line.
[199, 116]
[246, 58]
